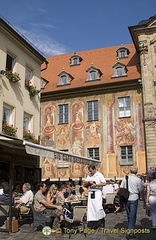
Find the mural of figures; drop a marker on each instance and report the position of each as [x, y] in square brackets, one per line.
[62, 137]
[48, 169]
[77, 147]
[77, 128]
[93, 133]
[49, 128]
[126, 132]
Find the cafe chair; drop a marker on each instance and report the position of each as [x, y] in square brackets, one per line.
[26, 217]
[39, 219]
[109, 205]
[79, 213]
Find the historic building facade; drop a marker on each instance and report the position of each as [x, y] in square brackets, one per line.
[92, 107]
[144, 38]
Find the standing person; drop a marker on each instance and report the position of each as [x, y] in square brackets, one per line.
[48, 209]
[95, 211]
[150, 173]
[151, 199]
[135, 188]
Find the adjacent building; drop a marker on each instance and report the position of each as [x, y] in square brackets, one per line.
[20, 84]
[144, 38]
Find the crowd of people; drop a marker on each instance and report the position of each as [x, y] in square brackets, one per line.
[49, 199]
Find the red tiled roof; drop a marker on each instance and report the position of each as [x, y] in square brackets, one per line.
[103, 59]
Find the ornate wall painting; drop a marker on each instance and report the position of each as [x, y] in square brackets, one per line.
[77, 170]
[93, 133]
[110, 136]
[48, 126]
[77, 147]
[63, 173]
[125, 132]
[48, 169]
[62, 137]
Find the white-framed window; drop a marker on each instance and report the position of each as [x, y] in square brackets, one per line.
[75, 60]
[93, 153]
[28, 73]
[64, 78]
[10, 61]
[119, 70]
[7, 114]
[26, 122]
[63, 113]
[94, 74]
[122, 53]
[126, 155]
[62, 163]
[124, 107]
[92, 107]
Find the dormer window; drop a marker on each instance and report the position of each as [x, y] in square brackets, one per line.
[94, 74]
[119, 70]
[75, 60]
[64, 78]
[122, 53]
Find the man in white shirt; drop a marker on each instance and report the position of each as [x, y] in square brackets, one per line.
[135, 187]
[26, 199]
[95, 211]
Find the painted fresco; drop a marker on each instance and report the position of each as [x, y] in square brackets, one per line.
[93, 133]
[49, 127]
[62, 137]
[126, 132]
[77, 146]
[49, 169]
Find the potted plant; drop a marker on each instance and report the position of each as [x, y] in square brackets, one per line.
[32, 90]
[9, 129]
[28, 136]
[13, 77]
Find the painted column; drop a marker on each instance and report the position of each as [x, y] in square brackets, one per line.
[139, 127]
[110, 140]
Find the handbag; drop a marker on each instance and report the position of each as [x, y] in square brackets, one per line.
[148, 212]
[123, 193]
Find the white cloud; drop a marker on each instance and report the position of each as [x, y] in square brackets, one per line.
[44, 43]
[46, 25]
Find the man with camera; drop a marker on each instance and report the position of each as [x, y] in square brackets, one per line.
[95, 212]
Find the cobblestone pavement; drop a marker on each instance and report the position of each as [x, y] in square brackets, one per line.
[115, 229]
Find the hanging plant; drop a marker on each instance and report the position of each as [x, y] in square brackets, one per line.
[9, 129]
[31, 89]
[28, 136]
[13, 77]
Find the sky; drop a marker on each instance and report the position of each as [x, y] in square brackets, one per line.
[66, 26]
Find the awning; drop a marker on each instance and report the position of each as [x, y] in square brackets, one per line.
[42, 151]
[39, 150]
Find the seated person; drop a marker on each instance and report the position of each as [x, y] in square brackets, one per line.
[108, 188]
[83, 190]
[26, 199]
[17, 190]
[61, 193]
[5, 196]
[71, 190]
[52, 194]
[48, 209]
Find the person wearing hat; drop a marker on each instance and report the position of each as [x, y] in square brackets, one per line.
[151, 199]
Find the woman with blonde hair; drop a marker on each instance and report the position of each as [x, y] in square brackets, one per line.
[52, 194]
[60, 196]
